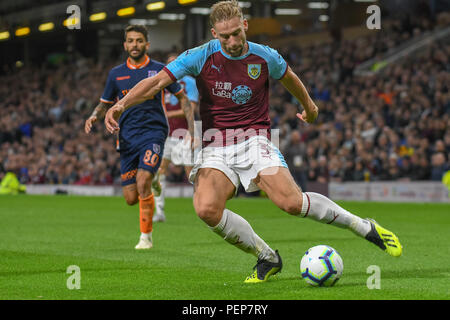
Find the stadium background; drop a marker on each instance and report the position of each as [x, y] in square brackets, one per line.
[383, 130]
[380, 119]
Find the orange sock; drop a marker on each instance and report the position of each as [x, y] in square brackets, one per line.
[146, 207]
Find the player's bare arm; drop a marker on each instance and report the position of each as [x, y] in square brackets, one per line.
[98, 113]
[294, 85]
[175, 114]
[180, 113]
[188, 109]
[146, 89]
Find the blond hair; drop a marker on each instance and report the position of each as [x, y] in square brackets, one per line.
[225, 10]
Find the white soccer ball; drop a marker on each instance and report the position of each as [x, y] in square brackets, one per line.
[321, 266]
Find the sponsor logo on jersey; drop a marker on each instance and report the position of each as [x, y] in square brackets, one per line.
[152, 73]
[221, 93]
[222, 89]
[241, 94]
[122, 78]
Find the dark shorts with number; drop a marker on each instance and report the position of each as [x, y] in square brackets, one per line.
[146, 156]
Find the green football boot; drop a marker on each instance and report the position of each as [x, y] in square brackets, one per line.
[264, 269]
[384, 239]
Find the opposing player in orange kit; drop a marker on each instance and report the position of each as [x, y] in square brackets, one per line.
[143, 129]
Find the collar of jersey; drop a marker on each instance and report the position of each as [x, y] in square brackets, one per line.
[140, 65]
[236, 58]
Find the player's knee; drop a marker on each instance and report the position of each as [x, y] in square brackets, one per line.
[132, 200]
[208, 212]
[205, 211]
[291, 205]
[130, 195]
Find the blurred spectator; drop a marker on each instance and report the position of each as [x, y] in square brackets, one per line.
[358, 172]
[439, 166]
[295, 155]
[421, 167]
[323, 174]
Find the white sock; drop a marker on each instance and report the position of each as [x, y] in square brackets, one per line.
[146, 236]
[160, 201]
[322, 209]
[237, 231]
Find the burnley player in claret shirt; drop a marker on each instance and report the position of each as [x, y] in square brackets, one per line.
[228, 83]
[232, 77]
[177, 150]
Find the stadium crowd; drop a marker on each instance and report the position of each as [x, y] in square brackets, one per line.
[392, 126]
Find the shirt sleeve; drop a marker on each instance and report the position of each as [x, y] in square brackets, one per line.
[189, 62]
[276, 63]
[174, 88]
[191, 89]
[110, 92]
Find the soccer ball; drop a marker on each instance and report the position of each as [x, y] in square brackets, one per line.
[321, 266]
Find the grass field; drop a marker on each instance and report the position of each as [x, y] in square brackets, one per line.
[41, 236]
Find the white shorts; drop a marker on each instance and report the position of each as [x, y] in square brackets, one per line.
[178, 152]
[241, 162]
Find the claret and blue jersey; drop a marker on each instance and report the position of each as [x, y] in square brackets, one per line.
[172, 103]
[234, 91]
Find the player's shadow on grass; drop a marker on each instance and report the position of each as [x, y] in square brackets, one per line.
[291, 240]
[430, 273]
[347, 283]
[318, 239]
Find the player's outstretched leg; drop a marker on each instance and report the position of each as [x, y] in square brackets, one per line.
[322, 209]
[284, 192]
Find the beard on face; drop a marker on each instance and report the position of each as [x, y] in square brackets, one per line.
[236, 52]
[138, 55]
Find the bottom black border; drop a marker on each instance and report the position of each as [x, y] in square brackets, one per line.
[223, 309]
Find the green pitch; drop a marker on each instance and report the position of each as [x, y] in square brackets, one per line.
[41, 236]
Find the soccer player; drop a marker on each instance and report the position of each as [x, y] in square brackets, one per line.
[144, 128]
[176, 150]
[233, 81]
